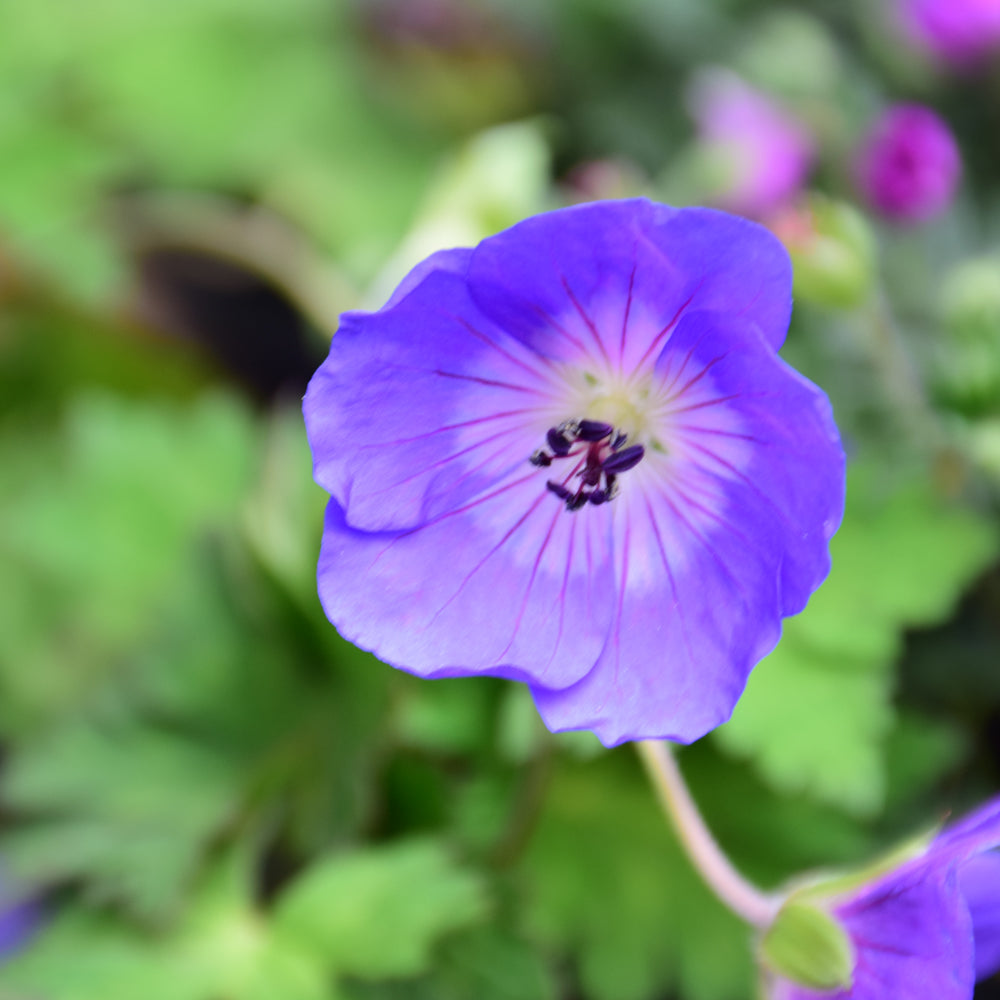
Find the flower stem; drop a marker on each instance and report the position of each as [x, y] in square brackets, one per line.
[736, 893]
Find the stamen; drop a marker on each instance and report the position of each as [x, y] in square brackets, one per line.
[603, 457]
[622, 461]
[558, 441]
[594, 430]
[559, 490]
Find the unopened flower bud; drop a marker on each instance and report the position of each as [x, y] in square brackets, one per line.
[806, 945]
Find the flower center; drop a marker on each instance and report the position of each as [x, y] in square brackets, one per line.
[600, 455]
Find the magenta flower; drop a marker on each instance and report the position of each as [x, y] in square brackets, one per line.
[763, 152]
[930, 927]
[961, 32]
[571, 457]
[908, 166]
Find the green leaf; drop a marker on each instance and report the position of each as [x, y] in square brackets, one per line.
[816, 722]
[497, 178]
[130, 810]
[447, 716]
[93, 541]
[607, 882]
[377, 912]
[222, 947]
[816, 713]
[232, 950]
[483, 964]
[88, 956]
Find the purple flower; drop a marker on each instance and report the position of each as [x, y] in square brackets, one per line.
[763, 152]
[571, 457]
[961, 32]
[929, 927]
[908, 166]
[19, 918]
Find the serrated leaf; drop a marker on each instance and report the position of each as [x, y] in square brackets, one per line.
[94, 540]
[86, 956]
[483, 964]
[222, 947]
[815, 723]
[230, 947]
[377, 912]
[816, 712]
[129, 810]
[607, 882]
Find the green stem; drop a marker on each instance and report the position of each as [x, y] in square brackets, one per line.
[735, 892]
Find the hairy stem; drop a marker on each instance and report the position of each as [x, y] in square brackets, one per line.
[736, 893]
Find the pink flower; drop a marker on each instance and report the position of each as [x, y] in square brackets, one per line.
[908, 165]
[766, 151]
[958, 31]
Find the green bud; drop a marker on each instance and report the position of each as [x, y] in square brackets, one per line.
[832, 251]
[806, 945]
[970, 301]
[984, 446]
[967, 370]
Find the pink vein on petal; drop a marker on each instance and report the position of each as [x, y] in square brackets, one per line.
[666, 389]
[687, 488]
[622, 589]
[749, 483]
[561, 595]
[472, 470]
[489, 555]
[447, 427]
[720, 432]
[583, 315]
[503, 351]
[450, 513]
[559, 328]
[531, 580]
[658, 339]
[694, 380]
[705, 403]
[479, 380]
[673, 583]
[676, 511]
[628, 305]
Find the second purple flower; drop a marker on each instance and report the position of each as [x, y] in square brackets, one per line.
[571, 457]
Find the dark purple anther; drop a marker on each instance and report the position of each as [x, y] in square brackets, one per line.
[597, 497]
[559, 490]
[618, 440]
[559, 443]
[578, 501]
[593, 430]
[542, 458]
[622, 461]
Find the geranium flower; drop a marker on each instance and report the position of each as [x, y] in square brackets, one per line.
[960, 32]
[908, 165]
[762, 151]
[571, 457]
[927, 928]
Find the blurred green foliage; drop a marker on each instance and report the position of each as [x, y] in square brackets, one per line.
[215, 796]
